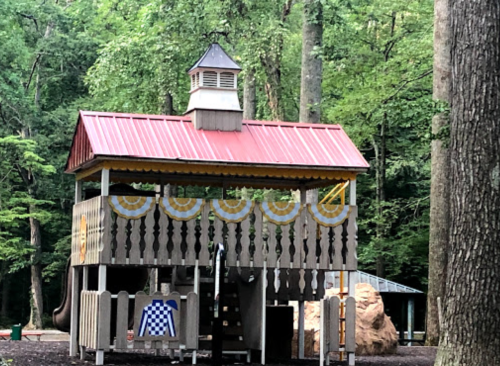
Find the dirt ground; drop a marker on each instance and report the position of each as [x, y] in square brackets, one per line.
[24, 353]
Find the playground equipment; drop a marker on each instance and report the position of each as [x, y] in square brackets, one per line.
[275, 252]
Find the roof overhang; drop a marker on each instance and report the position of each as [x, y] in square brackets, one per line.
[137, 170]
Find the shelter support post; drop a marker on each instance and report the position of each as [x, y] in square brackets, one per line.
[411, 319]
[75, 302]
[105, 182]
[301, 325]
[101, 286]
[85, 286]
[263, 320]
[78, 191]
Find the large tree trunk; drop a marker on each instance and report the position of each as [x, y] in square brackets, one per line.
[471, 332]
[310, 85]
[249, 95]
[312, 69]
[36, 275]
[440, 218]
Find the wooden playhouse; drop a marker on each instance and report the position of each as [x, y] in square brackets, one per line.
[276, 252]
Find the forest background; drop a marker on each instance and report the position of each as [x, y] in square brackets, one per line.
[58, 57]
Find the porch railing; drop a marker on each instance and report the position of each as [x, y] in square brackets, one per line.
[156, 239]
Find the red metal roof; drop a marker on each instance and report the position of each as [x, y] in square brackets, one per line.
[175, 138]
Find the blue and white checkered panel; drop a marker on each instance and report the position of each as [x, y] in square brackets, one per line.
[157, 319]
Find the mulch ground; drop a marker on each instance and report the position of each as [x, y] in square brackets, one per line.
[24, 353]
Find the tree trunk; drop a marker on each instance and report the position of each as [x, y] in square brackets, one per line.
[36, 275]
[471, 329]
[4, 311]
[440, 219]
[380, 173]
[310, 85]
[168, 106]
[249, 96]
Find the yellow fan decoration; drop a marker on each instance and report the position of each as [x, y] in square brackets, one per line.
[182, 209]
[131, 207]
[329, 215]
[231, 210]
[280, 213]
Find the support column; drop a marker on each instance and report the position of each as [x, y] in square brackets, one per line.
[352, 275]
[75, 302]
[263, 320]
[411, 318]
[101, 287]
[78, 191]
[301, 330]
[105, 182]
[85, 286]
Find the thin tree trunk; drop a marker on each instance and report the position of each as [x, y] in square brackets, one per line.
[380, 174]
[36, 275]
[471, 329]
[271, 63]
[168, 105]
[5, 297]
[310, 85]
[439, 219]
[249, 96]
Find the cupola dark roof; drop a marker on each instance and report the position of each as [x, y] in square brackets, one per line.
[216, 58]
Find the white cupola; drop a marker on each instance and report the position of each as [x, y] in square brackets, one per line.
[214, 104]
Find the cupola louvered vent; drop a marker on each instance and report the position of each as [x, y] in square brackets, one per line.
[195, 80]
[210, 78]
[227, 80]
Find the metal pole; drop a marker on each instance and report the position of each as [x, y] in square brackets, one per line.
[411, 319]
[217, 327]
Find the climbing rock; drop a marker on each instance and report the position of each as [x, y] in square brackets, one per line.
[375, 333]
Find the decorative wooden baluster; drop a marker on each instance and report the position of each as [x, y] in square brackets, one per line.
[162, 256]
[324, 259]
[338, 258]
[312, 228]
[272, 255]
[231, 254]
[245, 243]
[218, 226]
[191, 242]
[258, 255]
[149, 238]
[176, 254]
[135, 242]
[204, 255]
[285, 258]
[121, 240]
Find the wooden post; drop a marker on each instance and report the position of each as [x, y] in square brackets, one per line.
[263, 327]
[411, 318]
[195, 290]
[301, 330]
[352, 192]
[75, 302]
[78, 191]
[105, 182]
[101, 287]
[85, 286]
